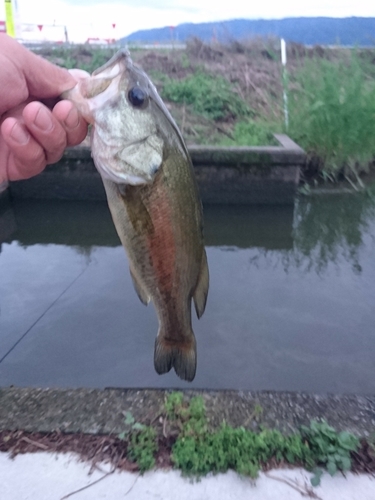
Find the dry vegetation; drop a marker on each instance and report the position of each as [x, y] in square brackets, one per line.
[233, 94]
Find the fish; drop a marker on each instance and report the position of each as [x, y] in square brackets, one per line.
[154, 201]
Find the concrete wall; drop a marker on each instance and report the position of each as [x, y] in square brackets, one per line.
[225, 175]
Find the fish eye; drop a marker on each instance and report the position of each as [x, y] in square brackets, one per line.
[137, 97]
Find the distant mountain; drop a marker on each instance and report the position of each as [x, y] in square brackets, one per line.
[307, 30]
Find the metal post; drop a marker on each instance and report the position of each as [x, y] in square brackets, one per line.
[285, 83]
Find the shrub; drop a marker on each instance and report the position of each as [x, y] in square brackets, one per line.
[210, 96]
[332, 115]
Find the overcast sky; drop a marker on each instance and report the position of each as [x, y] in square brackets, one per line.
[95, 17]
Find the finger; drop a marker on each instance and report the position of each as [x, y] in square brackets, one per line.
[26, 157]
[43, 78]
[46, 130]
[79, 74]
[74, 124]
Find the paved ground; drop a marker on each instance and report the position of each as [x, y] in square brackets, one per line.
[46, 476]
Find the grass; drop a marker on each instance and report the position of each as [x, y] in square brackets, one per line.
[210, 96]
[253, 133]
[238, 88]
[80, 56]
[198, 450]
[332, 115]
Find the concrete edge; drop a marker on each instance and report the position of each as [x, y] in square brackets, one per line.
[102, 411]
[288, 153]
[287, 143]
[4, 194]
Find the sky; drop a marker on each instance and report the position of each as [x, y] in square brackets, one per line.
[95, 18]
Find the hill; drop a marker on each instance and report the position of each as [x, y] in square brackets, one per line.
[306, 30]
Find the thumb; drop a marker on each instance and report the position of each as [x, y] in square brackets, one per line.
[43, 78]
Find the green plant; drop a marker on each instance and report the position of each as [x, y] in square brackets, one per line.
[82, 57]
[185, 62]
[142, 448]
[211, 96]
[329, 449]
[236, 448]
[173, 404]
[142, 442]
[252, 133]
[198, 450]
[190, 417]
[332, 114]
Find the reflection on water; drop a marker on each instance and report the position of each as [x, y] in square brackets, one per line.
[332, 230]
[290, 305]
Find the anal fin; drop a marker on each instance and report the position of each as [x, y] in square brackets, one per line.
[142, 294]
[201, 290]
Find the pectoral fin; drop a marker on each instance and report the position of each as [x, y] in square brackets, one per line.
[142, 294]
[201, 290]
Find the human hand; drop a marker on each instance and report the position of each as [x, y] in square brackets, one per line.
[33, 134]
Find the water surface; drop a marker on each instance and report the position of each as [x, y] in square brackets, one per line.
[291, 302]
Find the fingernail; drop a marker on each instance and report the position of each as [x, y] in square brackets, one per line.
[43, 120]
[72, 119]
[19, 134]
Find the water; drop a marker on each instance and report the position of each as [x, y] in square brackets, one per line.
[291, 303]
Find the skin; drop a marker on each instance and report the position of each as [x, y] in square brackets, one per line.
[34, 128]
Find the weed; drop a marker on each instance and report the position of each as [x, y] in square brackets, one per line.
[142, 448]
[185, 62]
[332, 114]
[142, 442]
[329, 448]
[305, 189]
[211, 96]
[198, 450]
[252, 133]
[80, 57]
[173, 404]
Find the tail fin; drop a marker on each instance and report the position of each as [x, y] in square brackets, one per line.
[181, 355]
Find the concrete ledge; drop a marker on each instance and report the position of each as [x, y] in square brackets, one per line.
[225, 175]
[102, 411]
[4, 193]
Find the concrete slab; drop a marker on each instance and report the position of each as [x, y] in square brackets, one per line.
[46, 476]
[93, 411]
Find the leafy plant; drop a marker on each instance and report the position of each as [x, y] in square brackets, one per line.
[211, 96]
[198, 450]
[190, 418]
[332, 114]
[142, 442]
[142, 448]
[329, 448]
[252, 133]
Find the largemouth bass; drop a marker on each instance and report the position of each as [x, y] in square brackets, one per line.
[154, 201]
